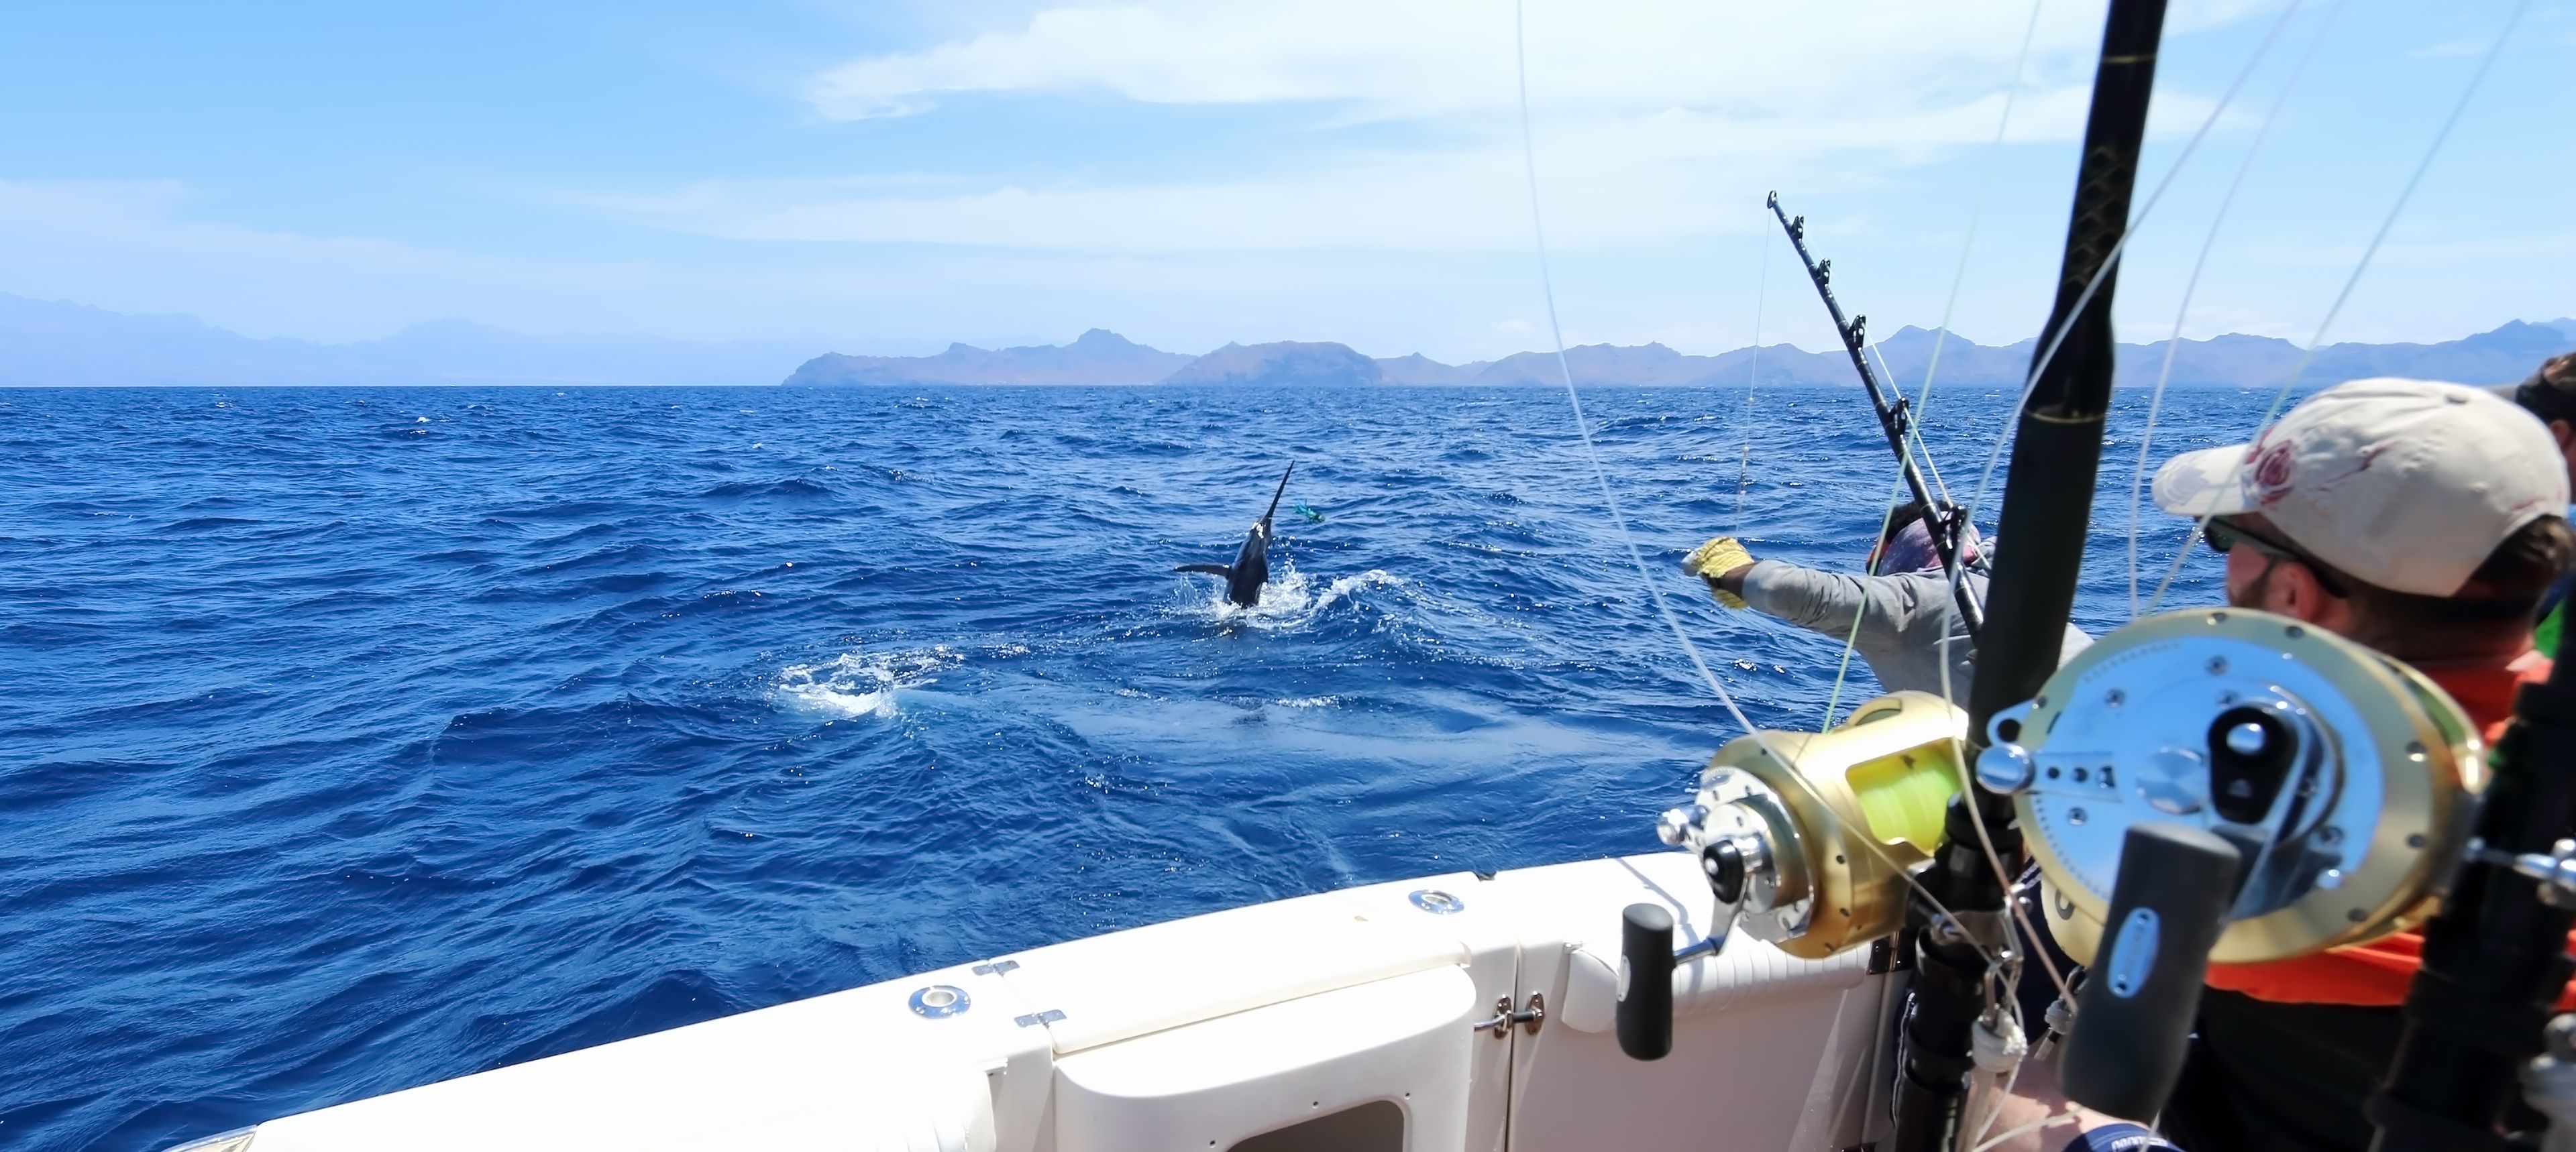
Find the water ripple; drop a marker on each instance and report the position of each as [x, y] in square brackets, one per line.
[362, 738]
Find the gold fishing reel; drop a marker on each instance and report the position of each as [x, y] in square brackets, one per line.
[2345, 780]
[1805, 836]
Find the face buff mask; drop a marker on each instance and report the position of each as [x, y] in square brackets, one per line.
[1912, 551]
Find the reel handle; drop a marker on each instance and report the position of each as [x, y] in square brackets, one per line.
[1645, 1012]
[2133, 1019]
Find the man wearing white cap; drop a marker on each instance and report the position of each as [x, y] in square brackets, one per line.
[2405, 514]
[2425, 520]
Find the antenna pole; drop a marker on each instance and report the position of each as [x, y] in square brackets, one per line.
[1894, 418]
[2048, 502]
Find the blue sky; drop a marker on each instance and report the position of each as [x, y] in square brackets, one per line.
[891, 176]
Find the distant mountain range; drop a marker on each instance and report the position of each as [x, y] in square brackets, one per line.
[2507, 354]
[58, 344]
[1096, 357]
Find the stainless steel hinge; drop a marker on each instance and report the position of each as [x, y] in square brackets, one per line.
[1501, 1022]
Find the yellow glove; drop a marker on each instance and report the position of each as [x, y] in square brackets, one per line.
[1717, 558]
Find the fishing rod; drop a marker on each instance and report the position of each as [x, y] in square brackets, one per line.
[2495, 956]
[2047, 508]
[1948, 527]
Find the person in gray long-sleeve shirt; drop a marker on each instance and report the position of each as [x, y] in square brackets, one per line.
[1904, 604]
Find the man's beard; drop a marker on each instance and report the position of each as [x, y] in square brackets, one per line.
[2251, 596]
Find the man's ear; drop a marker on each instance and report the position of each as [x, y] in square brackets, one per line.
[2303, 596]
[2564, 433]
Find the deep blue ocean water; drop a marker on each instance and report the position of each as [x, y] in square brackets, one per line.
[354, 739]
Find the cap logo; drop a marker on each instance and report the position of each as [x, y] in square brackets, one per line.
[2269, 479]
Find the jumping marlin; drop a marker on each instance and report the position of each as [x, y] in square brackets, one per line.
[1251, 567]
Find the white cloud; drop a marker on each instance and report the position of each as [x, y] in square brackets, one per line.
[1657, 120]
[1418, 58]
[1399, 59]
[1609, 182]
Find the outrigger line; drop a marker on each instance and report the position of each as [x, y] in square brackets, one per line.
[1948, 526]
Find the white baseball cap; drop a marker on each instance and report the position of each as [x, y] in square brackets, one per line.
[2406, 484]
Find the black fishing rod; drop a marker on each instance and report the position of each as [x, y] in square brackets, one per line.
[1895, 418]
[2495, 957]
[2047, 507]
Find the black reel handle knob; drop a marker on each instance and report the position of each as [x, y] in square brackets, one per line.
[1645, 1015]
[2133, 1019]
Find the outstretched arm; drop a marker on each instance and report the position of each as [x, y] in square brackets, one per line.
[1825, 602]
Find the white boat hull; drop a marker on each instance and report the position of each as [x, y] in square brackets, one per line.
[1342, 1020]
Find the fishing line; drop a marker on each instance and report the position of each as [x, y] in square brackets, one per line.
[1914, 424]
[1601, 475]
[1976, 216]
[1922, 404]
[1851, 640]
[1895, 495]
[2173, 343]
[1923, 398]
[2048, 352]
[2011, 1134]
[1753, 366]
[2201, 524]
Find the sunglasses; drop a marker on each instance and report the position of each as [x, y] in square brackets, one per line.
[2225, 535]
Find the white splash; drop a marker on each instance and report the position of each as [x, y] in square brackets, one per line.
[864, 683]
[1289, 600]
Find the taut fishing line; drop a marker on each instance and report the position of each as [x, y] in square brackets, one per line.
[1923, 398]
[1976, 216]
[2048, 352]
[1601, 475]
[2421, 166]
[2173, 343]
[1753, 365]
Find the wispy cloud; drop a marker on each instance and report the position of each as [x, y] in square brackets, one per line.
[1611, 182]
[1650, 113]
[1429, 58]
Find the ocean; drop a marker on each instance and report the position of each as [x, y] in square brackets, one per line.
[359, 738]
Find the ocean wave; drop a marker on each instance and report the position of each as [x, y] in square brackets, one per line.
[794, 487]
[864, 683]
[654, 726]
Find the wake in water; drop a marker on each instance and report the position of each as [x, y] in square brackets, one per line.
[865, 683]
[1289, 601]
